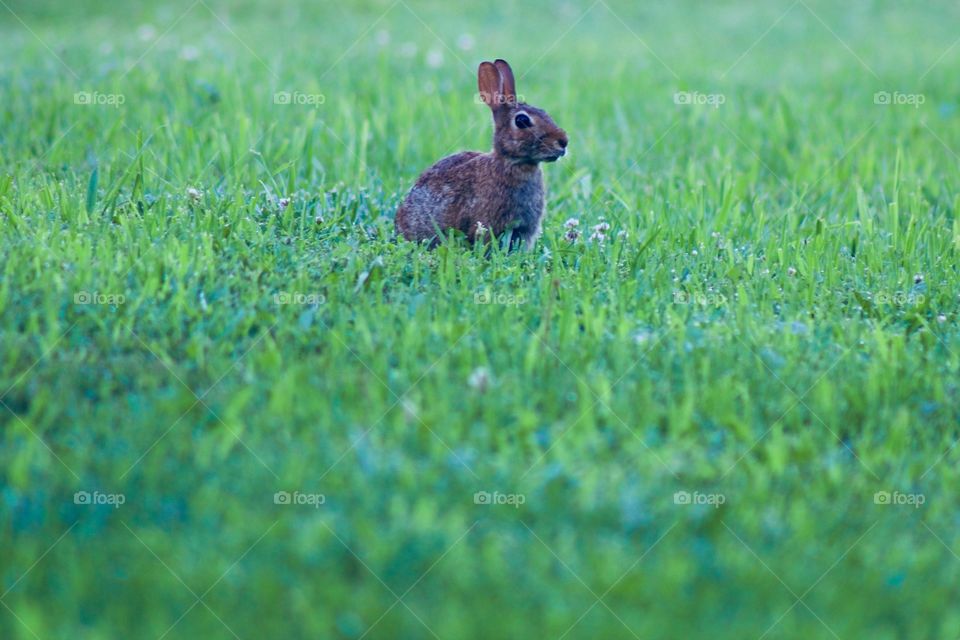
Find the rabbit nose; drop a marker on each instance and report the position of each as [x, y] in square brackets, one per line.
[562, 142]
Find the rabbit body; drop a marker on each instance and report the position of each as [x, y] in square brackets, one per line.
[475, 193]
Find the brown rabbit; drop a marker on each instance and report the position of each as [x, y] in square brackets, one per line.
[495, 193]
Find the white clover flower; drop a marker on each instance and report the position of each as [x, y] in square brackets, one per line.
[479, 379]
[435, 58]
[642, 336]
[194, 193]
[571, 223]
[599, 231]
[410, 410]
[603, 227]
[189, 53]
[146, 32]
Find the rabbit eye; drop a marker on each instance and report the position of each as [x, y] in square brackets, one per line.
[522, 121]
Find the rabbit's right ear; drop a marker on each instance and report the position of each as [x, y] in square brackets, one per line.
[491, 84]
[508, 86]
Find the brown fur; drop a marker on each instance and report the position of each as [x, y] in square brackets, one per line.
[501, 190]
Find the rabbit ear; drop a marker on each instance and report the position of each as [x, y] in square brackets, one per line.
[488, 78]
[509, 87]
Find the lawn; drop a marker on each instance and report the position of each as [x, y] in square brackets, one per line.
[234, 405]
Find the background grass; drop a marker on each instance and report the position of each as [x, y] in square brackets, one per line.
[769, 322]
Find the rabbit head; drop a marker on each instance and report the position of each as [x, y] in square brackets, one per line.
[523, 133]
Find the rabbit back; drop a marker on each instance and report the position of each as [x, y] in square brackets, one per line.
[476, 194]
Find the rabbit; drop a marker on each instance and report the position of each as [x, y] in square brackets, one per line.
[488, 195]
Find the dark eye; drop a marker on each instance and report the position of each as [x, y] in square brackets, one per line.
[522, 121]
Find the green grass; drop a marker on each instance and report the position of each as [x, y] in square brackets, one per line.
[775, 329]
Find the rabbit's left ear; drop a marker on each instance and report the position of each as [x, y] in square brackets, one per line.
[489, 82]
[509, 86]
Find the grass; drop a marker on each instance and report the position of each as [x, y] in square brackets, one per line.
[773, 334]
